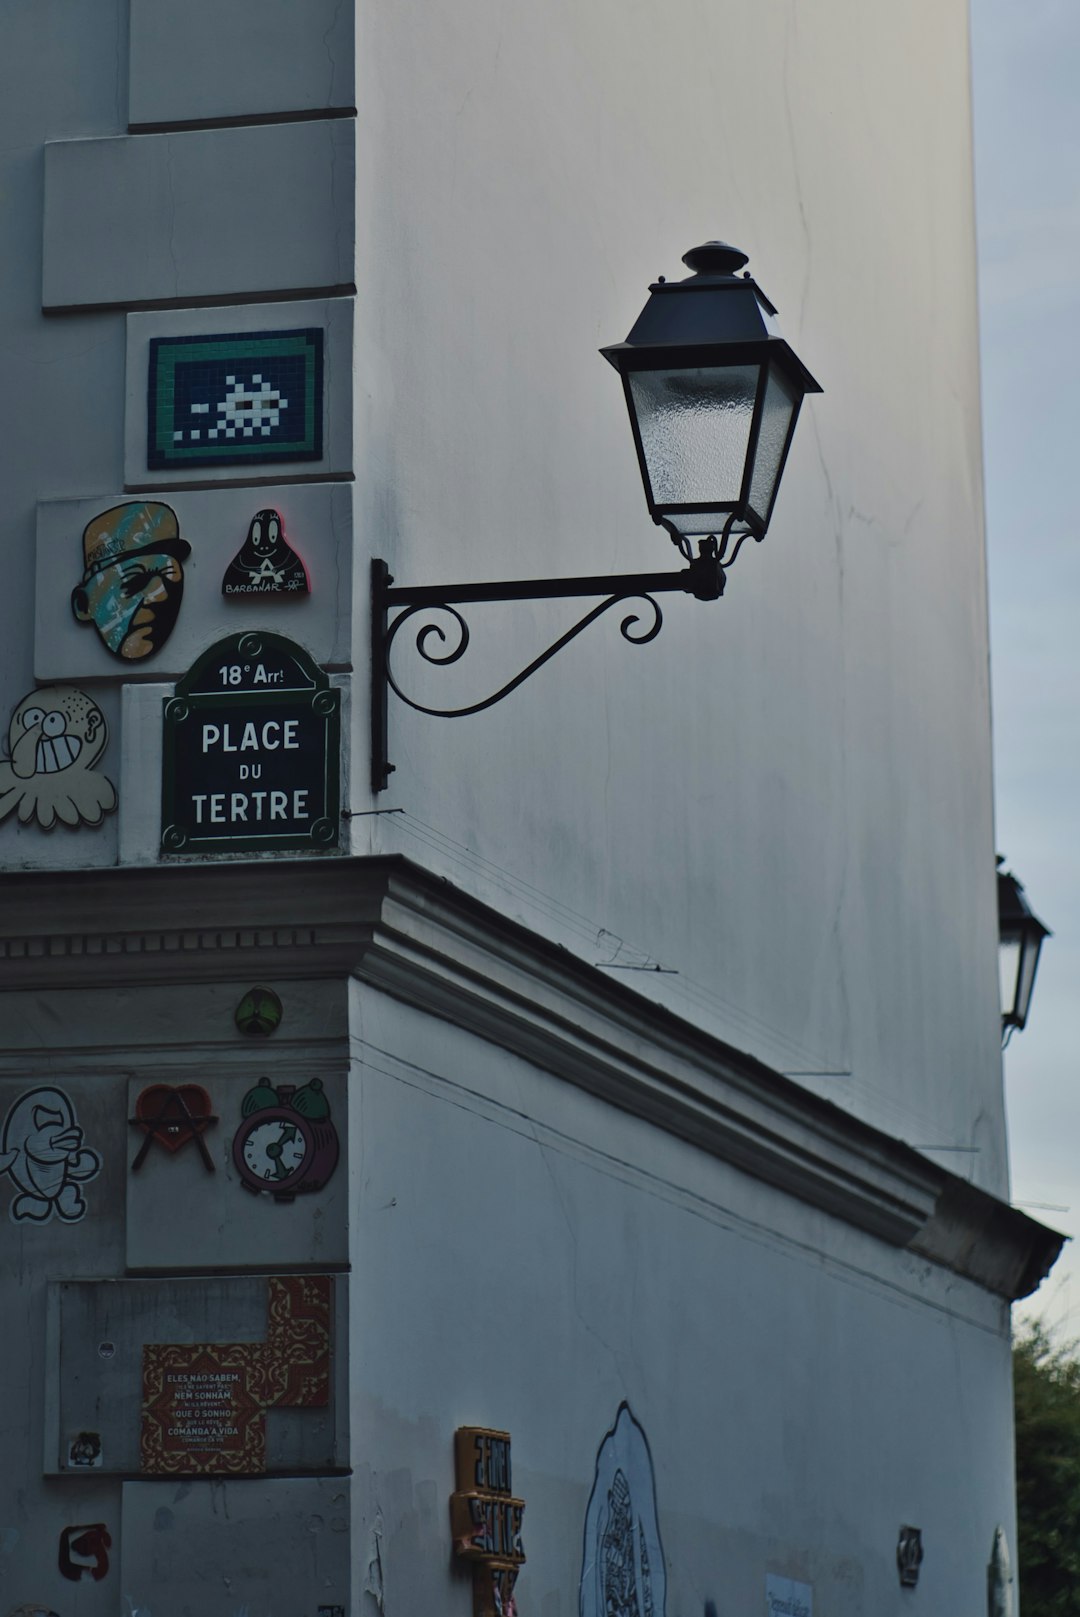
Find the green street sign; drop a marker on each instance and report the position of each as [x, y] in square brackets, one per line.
[251, 752]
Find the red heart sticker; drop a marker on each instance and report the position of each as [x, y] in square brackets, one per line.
[174, 1116]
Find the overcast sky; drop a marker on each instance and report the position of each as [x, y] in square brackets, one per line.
[1027, 140]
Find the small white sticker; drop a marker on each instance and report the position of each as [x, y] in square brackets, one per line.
[786, 1598]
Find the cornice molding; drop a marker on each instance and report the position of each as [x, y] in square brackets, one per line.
[415, 936]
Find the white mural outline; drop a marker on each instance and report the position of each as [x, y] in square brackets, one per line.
[623, 1571]
[999, 1577]
[43, 1155]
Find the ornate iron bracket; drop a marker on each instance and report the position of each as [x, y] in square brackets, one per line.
[703, 578]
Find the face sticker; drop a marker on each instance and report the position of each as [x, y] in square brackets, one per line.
[266, 564]
[42, 1153]
[56, 736]
[622, 1571]
[133, 578]
[84, 1451]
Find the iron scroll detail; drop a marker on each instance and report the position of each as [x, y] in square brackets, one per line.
[442, 643]
[628, 628]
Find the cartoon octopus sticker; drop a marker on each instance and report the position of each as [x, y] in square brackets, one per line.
[55, 738]
[43, 1155]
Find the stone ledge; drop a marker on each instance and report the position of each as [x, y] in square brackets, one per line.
[412, 935]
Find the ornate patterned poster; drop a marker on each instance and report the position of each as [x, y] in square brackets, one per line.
[205, 1403]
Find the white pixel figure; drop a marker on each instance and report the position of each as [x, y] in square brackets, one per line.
[246, 409]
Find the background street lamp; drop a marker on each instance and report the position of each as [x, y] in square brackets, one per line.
[713, 392]
[1021, 935]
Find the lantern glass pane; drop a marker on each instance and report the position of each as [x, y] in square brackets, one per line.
[695, 428]
[779, 404]
[697, 522]
[1025, 982]
[1008, 968]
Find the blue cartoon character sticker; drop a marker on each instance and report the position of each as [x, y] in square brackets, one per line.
[43, 1155]
[133, 577]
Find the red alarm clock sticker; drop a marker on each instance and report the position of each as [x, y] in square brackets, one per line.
[286, 1145]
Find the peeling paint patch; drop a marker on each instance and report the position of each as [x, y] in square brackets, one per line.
[373, 1585]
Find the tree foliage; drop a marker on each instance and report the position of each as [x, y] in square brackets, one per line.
[1046, 1383]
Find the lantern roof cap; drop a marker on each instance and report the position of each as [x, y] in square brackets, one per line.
[715, 258]
[1014, 911]
[714, 316]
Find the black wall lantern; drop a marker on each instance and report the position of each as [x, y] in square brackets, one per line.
[1020, 935]
[713, 392]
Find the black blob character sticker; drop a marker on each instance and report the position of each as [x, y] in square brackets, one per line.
[266, 564]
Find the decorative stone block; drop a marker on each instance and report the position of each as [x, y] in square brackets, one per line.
[205, 60]
[210, 213]
[165, 330]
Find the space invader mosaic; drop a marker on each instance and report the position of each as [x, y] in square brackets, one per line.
[235, 398]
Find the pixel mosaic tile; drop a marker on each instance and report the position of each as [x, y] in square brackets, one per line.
[235, 398]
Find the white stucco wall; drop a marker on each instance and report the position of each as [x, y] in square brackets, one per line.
[784, 802]
[533, 1257]
[786, 798]
[63, 379]
[520, 1254]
